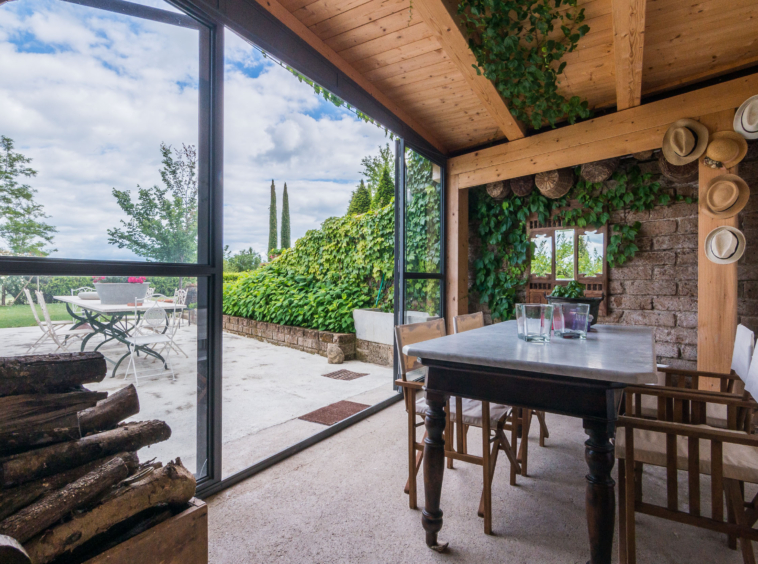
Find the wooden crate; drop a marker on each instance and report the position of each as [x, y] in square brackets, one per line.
[183, 539]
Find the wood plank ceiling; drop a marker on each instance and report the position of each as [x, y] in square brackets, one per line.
[634, 48]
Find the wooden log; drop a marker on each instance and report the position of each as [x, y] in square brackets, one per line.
[522, 186]
[49, 373]
[11, 552]
[37, 517]
[20, 441]
[499, 190]
[25, 467]
[17, 498]
[599, 171]
[555, 183]
[42, 409]
[110, 412]
[173, 484]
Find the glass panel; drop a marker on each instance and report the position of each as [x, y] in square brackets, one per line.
[542, 255]
[170, 361]
[99, 125]
[422, 300]
[590, 251]
[564, 254]
[422, 214]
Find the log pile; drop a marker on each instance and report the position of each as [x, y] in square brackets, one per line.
[71, 484]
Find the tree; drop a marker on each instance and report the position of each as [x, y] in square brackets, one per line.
[272, 220]
[285, 241]
[163, 220]
[241, 261]
[373, 167]
[385, 191]
[360, 202]
[20, 216]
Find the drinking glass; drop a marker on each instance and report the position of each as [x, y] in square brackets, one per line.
[534, 322]
[570, 321]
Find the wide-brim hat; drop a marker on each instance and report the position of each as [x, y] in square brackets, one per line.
[726, 196]
[726, 147]
[684, 141]
[725, 245]
[746, 118]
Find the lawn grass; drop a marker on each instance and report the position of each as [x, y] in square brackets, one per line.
[21, 315]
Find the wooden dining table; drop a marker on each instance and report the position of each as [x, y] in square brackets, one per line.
[574, 377]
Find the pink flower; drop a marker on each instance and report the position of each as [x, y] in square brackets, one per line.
[136, 280]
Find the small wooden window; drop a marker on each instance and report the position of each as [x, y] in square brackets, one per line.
[561, 254]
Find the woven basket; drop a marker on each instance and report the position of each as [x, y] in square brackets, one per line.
[599, 171]
[555, 184]
[684, 173]
[522, 186]
[499, 190]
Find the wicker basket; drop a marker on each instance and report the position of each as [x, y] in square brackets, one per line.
[522, 186]
[599, 171]
[555, 183]
[684, 173]
[499, 190]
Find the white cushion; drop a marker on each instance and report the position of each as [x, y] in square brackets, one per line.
[472, 411]
[740, 462]
[715, 414]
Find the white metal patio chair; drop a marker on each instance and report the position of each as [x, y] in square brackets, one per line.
[180, 297]
[41, 324]
[58, 332]
[153, 327]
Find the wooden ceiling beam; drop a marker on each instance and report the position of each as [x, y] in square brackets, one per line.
[284, 16]
[628, 46]
[444, 27]
[614, 135]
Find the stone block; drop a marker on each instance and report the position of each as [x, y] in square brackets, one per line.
[666, 242]
[688, 288]
[674, 211]
[640, 216]
[611, 319]
[310, 334]
[674, 303]
[291, 339]
[325, 337]
[678, 363]
[650, 288]
[686, 256]
[664, 273]
[747, 271]
[656, 228]
[650, 318]
[344, 338]
[669, 350]
[631, 302]
[750, 322]
[689, 352]
[642, 272]
[751, 290]
[334, 354]
[617, 287]
[688, 225]
[687, 319]
[679, 335]
[748, 308]
[654, 258]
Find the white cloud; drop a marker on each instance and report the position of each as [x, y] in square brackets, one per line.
[90, 96]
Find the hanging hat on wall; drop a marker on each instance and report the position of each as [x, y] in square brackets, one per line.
[725, 245]
[684, 141]
[726, 196]
[746, 118]
[684, 173]
[725, 148]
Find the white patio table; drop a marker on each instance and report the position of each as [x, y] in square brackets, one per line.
[109, 321]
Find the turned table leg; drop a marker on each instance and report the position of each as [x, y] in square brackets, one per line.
[601, 493]
[434, 468]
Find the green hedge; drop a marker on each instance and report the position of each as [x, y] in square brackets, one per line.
[329, 273]
[232, 276]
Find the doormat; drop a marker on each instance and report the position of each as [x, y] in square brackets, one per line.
[334, 413]
[345, 375]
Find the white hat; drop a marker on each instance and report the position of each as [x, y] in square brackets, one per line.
[746, 118]
[725, 245]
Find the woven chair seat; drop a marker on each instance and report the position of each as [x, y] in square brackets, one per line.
[472, 411]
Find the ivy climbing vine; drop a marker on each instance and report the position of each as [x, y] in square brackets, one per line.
[519, 45]
[505, 250]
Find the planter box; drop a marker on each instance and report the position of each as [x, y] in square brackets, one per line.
[183, 539]
[374, 325]
[120, 293]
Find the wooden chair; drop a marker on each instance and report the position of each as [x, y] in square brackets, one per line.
[729, 457]
[490, 418]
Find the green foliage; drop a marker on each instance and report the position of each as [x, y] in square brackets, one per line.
[163, 221]
[328, 273]
[385, 191]
[500, 270]
[20, 216]
[573, 289]
[360, 202]
[564, 254]
[374, 165]
[241, 261]
[272, 240]
[518, 45]
[232, 276]
[542, 257]
[285, 239]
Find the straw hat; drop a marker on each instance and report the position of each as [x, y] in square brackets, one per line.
[725, 245]
[746, 118]
[726, 196]
[725, 148]
[684, 141]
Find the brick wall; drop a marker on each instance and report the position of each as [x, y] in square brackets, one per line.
[658, 287]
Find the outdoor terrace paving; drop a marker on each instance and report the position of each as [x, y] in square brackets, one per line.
[265, 389]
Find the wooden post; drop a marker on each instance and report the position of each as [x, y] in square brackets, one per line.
[456, 250]
[717, 283]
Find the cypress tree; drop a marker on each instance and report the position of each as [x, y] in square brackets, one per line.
[384, 192]
[272, 220]
[285, 240]
[360, 202]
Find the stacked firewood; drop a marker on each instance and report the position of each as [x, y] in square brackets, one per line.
[71, 484]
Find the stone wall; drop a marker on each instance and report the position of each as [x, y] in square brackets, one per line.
[658, 287]
[375, 353]
[299, 338]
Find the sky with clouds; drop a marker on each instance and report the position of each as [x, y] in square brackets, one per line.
[89, 95]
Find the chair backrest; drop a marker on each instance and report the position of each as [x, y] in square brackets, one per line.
[43, 307]
[416, 333]
[751, 382]
[468, 322]
[75, 291]
[149, 293]
[153, 320]
[744, 345]
[31, 305]
[180, 296]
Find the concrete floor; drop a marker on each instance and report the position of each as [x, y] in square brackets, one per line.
[342, 501]
[265, 389]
